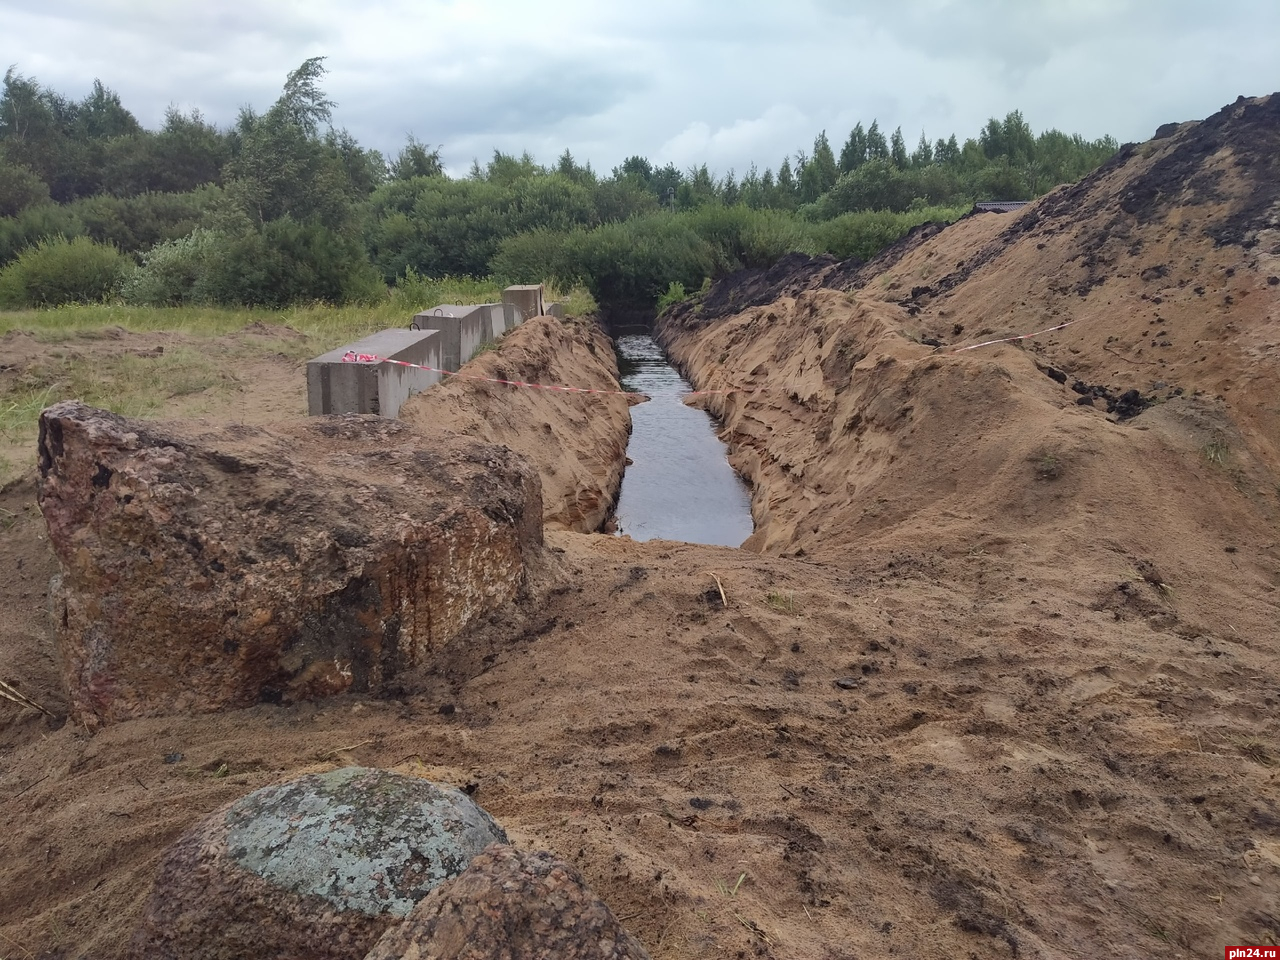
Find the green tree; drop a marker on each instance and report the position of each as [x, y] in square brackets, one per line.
[820, 173]
[786, 193]
[877, 147]
[730, 192]
[508, 168]
[282, 167]
[415, 160]
[568, 167]
[898, 150]
[636, 168]
[923, 155]
[101, 115]
[665, 182]
[697, 187]
[946, 151]
[35, 128]
[854, 152]
[19, 188]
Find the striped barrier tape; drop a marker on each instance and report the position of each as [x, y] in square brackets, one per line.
[1025, 336]
[352, 357]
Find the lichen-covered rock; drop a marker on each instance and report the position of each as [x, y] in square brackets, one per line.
[313, 869]
[218, 567]
[510, 905]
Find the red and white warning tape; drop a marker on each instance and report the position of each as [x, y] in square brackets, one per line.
[352, 357]
[1025, 336]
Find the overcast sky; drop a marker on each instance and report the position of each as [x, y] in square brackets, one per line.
[678, 81]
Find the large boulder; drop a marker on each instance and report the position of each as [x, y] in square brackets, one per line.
[210, 567]
[314, 869]
[510, 905]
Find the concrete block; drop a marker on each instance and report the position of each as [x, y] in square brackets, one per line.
[337, 386]
[528, 298]
[463, 328]
[555, 310]
[496, 313]
[511, 315]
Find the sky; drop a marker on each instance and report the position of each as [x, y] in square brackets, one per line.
[677, 81]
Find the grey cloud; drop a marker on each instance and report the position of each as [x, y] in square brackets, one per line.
[673, 80]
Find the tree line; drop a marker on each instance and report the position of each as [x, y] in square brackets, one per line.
[281, 206]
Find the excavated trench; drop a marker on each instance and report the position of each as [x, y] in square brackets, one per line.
[678, 483]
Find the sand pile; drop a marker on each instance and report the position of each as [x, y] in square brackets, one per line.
[579, 440]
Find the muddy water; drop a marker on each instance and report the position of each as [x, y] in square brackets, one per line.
[679, 485]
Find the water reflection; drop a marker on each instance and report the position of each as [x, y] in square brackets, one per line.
[679, 485]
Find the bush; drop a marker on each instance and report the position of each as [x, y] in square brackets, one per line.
[742, 237]
[284, 263]
[414, 292]
[59, 271]
[532, 258]
[631, 264]
[19, 189]
[865, 234]
[131, 224]
[36, 223]
[287, 263]
[675, 294]
[171, 271]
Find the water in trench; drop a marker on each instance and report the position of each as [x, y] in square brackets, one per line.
[679, 485]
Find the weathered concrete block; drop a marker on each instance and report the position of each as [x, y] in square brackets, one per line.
[555, 310]
[514, 905]
[206, 568]
[496, 315]
[366, 386]
[462, 328]
[528, 298]
[318, 867]
[511, 315]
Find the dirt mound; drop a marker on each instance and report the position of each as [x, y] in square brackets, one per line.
[576, 440]
[1122, 463]
[752, 288]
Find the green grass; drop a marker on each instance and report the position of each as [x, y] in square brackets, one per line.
[578, 302]
[782, 602]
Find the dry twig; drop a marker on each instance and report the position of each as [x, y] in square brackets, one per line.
[10, 693]
[723, 599]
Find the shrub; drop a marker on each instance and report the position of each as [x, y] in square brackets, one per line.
[285, 263]
[171, 271]
[533, 257]
[866, 234]
[675, 294]
[58, 271]
[19, 189]
[39, 222]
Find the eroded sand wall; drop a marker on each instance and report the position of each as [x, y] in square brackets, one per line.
[576, 441]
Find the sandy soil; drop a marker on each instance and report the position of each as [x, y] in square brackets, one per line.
[257, 378]
[581, 441]
[996, 677]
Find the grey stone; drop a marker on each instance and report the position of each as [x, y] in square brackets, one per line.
[315, 868]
